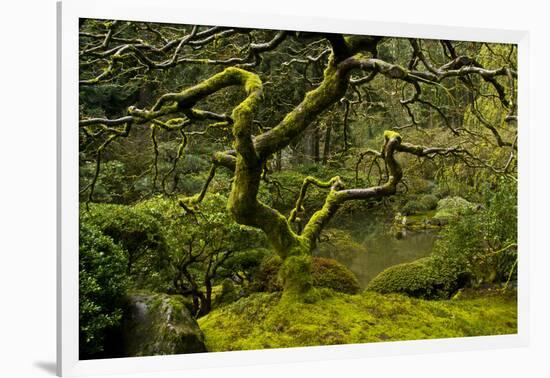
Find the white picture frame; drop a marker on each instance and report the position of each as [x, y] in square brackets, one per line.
[173, 11]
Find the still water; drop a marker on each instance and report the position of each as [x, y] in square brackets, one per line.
[378, 249]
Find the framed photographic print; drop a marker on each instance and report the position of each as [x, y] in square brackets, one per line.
[248, 187]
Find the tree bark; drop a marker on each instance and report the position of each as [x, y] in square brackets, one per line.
[326, 148]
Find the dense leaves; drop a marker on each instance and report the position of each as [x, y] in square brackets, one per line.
[483, 243]
[206, 246]
[103, 280]
[138, 233]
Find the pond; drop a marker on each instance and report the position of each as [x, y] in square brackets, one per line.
[377, 249]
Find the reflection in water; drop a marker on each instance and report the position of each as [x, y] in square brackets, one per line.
[384, 250]
[379, 249]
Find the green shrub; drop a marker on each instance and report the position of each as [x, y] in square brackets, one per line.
[450, 207]
[429, 201]
[330, 274]
[245, 263]
[483, 244]
[419, 279]
[412, 207]
[205, 246]
[418, 184]
[112, 183]
[421, 204]
[192, 183]
[326, 273]
[228, 293]
[102, 285]
[139, 233]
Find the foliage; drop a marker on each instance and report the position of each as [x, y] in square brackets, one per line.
[103, 281]
[267, 278]
[475, 248]
[108, 99]
[228, 293]
[419, 279]
[425, 202]
[113, 185]
[483, 244]
[326, 273]
[486, 109]
[329, 273]
[205, 247]
[139, 233]
[263, 320]
[452, 207]
[243, 265]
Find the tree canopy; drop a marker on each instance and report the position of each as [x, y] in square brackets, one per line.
[184, 110]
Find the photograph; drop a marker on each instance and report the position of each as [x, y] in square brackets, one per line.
[253, 189]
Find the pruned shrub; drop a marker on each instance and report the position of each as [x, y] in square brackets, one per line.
[429, 201]
[423, 203]
[329, 273]
[450, 207]
[326, 273]
[419, 279]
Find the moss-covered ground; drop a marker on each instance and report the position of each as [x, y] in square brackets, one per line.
[265, 320]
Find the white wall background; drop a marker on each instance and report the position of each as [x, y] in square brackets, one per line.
[27, 189]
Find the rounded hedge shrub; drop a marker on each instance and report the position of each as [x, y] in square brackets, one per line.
[425, 202]
[326, 273]
[419, 279]
[329, 273]
[451, 207]
[412, 207]
[429, 201]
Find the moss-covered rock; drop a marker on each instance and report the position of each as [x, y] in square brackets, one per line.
[326, 273]
[419, 279]
[267, 320]
[418, 222]
[159, 324]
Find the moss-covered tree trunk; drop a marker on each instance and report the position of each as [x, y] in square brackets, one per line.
[251, 153]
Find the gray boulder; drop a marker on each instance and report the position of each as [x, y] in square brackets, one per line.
[159, 324]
